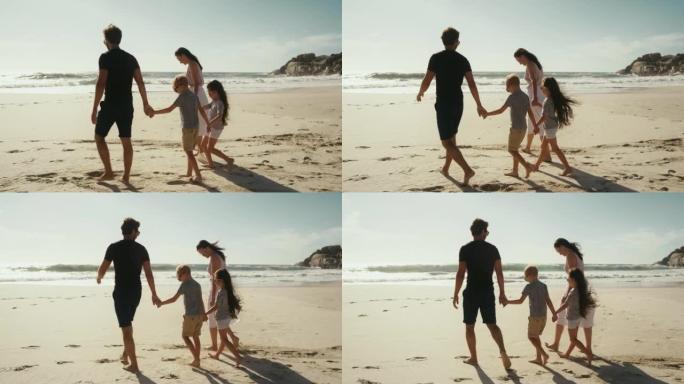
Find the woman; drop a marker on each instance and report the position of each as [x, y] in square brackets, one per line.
[217, 261]
[533, 75]
[196, 83]
[573, 260]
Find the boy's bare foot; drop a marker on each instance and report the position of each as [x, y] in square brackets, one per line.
[211, 348]
[506, 362]
[238, 361]
[189, 174]
[537, 361]
[527, 150]
[214, 356]
[590, 357]
[553, 347]
[124, 360]
[512, 174]
[528, 170]
[535, 168]
[196, 180]
[471, 361]
[567, 172]
[545, 358]
[195, 363]
[132, 369]
[444, 171]
[106, 176]
[468, 176]
[126, 180]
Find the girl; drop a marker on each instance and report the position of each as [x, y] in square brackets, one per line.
[196, 82]
[217, 261]
[579, 303]
[533, 76]
[557, 113]
[227, 308]
[218, 115]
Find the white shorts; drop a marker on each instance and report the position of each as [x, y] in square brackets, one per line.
[226, 323]
[582, 322]
[215, 133]
[549, 133]
[537, 112]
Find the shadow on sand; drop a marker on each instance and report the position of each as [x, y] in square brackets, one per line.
[260, 371]
[251, 181]
[588, 182]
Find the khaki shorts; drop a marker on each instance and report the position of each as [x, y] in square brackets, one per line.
[535, 326]
[515, 138]
[189, 138]
[192, 325]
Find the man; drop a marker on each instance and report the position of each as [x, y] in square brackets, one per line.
[450, 67]
[479, 259]
[129, 258]
[117, 71]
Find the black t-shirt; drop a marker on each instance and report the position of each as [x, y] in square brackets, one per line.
[449, 67]
[480, 257]
[120, 66]
[128, 257]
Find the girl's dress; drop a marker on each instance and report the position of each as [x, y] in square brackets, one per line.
[201, 95]
[533, 72]
[212, 316]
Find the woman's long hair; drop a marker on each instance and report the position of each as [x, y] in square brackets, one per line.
[574, 247]
[561, 103]
[214, 247]
[586, 298]
[186, 52]
[216, 85]
[529, 55]
[234, 302]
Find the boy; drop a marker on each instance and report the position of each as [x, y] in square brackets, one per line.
[539, 300]
[189, 105]
[194, 310]
[519, 104]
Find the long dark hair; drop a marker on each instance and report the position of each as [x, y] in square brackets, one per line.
[529, 55]
[216, 85]
[561, 103]
[186, 52]
[586, 298]
[214, 247]
[574, 247]
[234, 302]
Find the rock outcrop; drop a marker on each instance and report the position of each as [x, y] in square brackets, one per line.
[655, 64]
[308, 64]
[674, 259]
[329, 257]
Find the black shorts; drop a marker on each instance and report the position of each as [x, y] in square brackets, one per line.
[121, 114]
[448, 118]
[125, 303]
[482, 300]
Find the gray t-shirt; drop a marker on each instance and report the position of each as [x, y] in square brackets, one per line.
[216, 109]
[518, 102]
[222, 310]
[536, 292]
[192, 297]
[573, 305]
[187, 102]
[549, 111]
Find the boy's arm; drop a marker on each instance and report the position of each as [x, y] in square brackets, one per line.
[429, 75]
[460, 275]
[519, 301]
[530, 114]
[99, 91]
[162, 111]
[102, 270]
[476, 95]
[171, 300]
[497, 112]
[137, 75]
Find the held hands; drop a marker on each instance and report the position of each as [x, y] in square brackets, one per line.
[455, 302]
[554, 317]
[204, 317]
[536, 102]
[481, 111]
[156, 301]
[502, 299]
[149, 111]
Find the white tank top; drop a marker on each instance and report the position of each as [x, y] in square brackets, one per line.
[580, 263]
[533, 72]
[222, 266]
[191, 80]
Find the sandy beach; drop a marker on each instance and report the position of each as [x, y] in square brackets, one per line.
[67, 334]
[284, 140]
[412, 334]
[622, 141]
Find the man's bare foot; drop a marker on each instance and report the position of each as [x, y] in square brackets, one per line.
[506, 361]
[189, 174]
[567, 172]
[126, 180]
[548, 160]
[132, 369]
[106, 176]
[469, 175]
[471, 361]
[196, 180]
[512, 174]
[537, 361]
[195, 363]
[124, 360]
[553, 347]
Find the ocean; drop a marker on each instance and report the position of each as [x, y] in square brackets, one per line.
[84, 82]
[165, 274]
[493, 82]
[551, 274]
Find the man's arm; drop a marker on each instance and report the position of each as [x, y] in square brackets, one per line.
[99, 91]
[500, 281]
[429, 75]
[460, 275]
[473, 91]
[102, 270]
[137, 75]
[150, 281]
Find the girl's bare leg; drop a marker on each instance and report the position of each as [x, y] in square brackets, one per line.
[233, 337]
[543, 154]
[212, 149]
[561, 156]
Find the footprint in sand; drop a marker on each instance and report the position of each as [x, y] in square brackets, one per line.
[176, 182]
[364, 381]
[150, 349]
[72, 346]
[23, 367]
[105, 361]
[31, 347]
[417, 358]
[460, 379]
[169, 359]
[363, 315]
[62, 362]
[170, 376]
[371, 367]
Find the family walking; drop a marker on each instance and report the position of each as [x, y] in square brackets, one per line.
[202, 120]
[479, 260]
[546, 108]
[223, 304]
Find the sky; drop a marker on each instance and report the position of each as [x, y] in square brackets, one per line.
[578, 35]
[76, 228]
[405, 229]
[226, 35]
